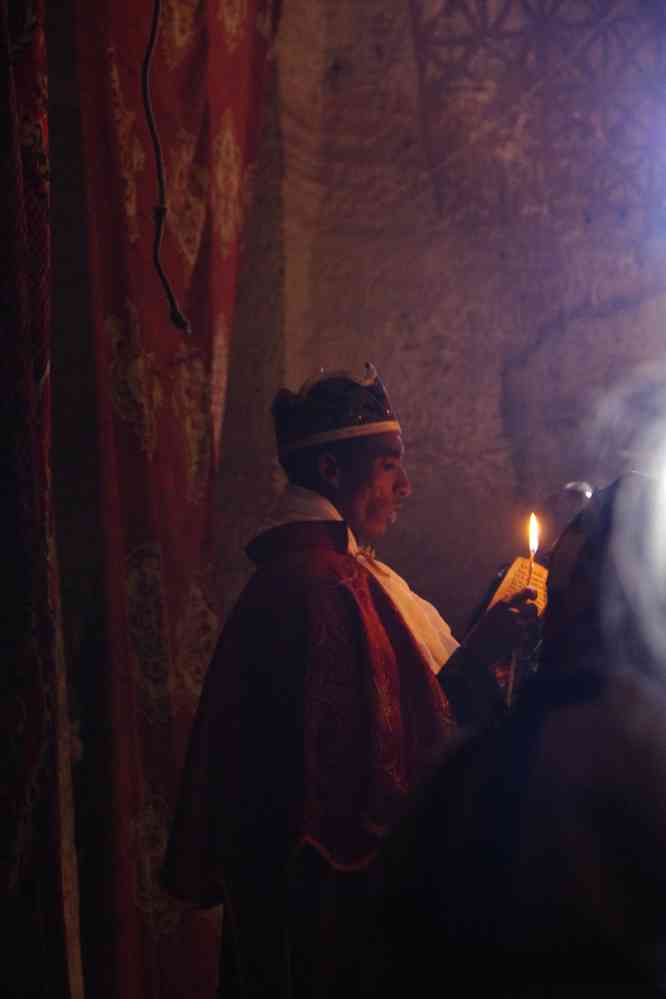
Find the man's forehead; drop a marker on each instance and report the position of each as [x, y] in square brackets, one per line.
[391, 444]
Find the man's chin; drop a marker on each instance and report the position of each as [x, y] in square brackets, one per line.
[377, 531]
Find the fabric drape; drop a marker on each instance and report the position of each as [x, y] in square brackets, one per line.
[160, 399]
[37, 860]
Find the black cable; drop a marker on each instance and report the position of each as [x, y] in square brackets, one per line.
[176, 316]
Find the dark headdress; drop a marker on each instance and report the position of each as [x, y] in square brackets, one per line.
[332, 406]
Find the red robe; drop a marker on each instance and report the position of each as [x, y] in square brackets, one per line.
[318, 719]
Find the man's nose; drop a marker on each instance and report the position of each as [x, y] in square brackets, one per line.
[404, 486]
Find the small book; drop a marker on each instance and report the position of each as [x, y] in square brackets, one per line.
[517, 577]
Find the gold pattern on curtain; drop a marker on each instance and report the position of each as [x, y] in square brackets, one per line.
[160, 399]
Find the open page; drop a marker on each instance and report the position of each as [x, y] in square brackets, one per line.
[517, 577]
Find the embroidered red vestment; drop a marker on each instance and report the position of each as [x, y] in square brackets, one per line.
[319, 717]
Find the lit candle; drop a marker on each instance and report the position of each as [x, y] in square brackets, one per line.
[534, 543]
[533, 534]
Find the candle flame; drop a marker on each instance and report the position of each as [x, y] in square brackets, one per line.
[534, 535]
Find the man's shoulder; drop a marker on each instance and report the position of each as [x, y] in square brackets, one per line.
[313, 572]
[296, 590]
[296, 567]
[302, 552]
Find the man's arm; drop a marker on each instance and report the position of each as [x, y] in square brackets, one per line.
[466, 677]
[472, 690]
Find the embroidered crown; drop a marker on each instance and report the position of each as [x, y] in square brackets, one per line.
[332, 406]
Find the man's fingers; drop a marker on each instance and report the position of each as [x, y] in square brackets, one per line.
[522, 597]
[522, 608]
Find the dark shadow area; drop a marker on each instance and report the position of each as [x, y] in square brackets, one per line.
[76, 484]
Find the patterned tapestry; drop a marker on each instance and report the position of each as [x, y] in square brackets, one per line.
[172, 88]
[37, 860]
[545, 107]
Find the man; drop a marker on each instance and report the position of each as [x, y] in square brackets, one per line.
[322, 710]
[535, 860]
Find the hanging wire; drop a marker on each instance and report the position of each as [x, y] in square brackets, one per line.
[176, 316]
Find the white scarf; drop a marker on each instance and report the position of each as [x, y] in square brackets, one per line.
[429, 629]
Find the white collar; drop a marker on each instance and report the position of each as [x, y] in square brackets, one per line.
[297, 504]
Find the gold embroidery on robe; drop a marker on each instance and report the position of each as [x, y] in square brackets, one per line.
[191, 400]
[136, 392]
[228, 183]
[132, 156]
[188, 191]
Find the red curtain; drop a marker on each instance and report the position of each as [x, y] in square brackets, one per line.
[160, 397]
[37, 862]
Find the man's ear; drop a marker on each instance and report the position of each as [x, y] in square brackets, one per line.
[329, 470]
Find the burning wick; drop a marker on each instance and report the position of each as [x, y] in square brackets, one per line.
[534, 544]
[534, 547]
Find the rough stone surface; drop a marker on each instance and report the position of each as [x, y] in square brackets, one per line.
[474, 197]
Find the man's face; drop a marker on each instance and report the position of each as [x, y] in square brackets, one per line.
[373, 486]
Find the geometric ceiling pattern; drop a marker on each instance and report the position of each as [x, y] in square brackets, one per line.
[553, 108]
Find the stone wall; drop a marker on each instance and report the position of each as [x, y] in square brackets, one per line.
[474, 197]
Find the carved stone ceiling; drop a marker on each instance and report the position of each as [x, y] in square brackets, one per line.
[471, 193]
[551, 107]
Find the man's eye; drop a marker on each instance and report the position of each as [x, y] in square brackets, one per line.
[390, 465]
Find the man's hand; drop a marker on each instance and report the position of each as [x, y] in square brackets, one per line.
[502, 628]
